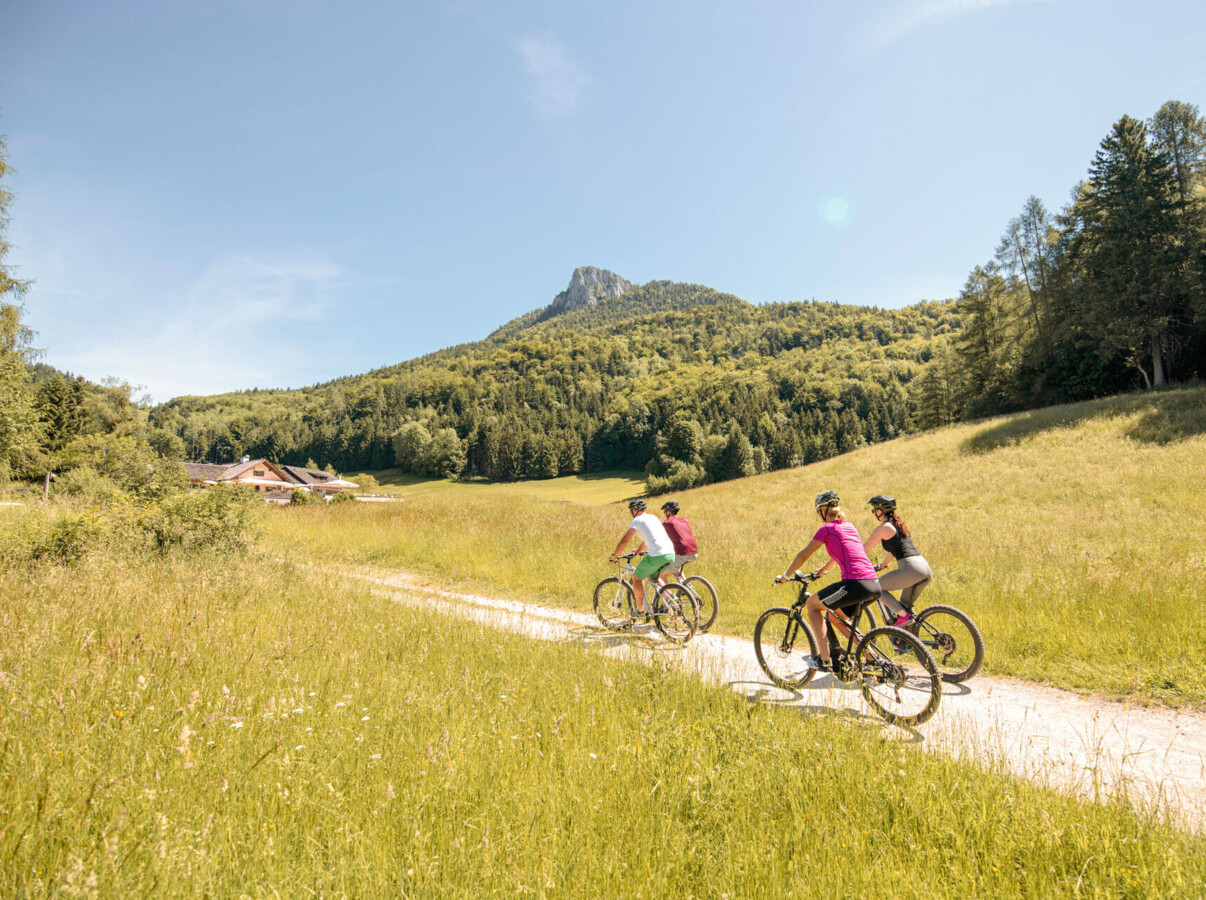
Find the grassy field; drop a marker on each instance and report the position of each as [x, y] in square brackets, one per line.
[237, 726]
[600, 487]
[1071, 535]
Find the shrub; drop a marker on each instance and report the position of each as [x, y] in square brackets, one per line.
[63, 540]
[215, 519]
[344, 497]
[88, 484]
[299, 497]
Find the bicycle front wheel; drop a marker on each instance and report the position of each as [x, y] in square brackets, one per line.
[781, 641]
[709, 603]
[613, 599]
[898, 676]
[676, 614]
[953, 639]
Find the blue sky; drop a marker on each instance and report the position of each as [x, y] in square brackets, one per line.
[223, 195]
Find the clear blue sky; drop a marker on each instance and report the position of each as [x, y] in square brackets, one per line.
[270, 193]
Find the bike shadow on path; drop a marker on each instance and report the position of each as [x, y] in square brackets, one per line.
[763, 693]
[642, 636]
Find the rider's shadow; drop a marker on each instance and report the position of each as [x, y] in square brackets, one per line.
[764, 693]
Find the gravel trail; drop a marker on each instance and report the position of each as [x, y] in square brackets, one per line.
[1079, 744]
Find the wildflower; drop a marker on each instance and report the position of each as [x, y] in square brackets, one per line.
[300, 747]
[364, 718]
[236, 724]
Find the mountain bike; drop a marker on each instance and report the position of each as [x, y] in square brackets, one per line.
[903, 688]
[705, 597]
[673, 609]
[950, 635]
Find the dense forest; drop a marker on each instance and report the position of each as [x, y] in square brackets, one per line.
[1107, 295]
[693, 385]
[705, 388]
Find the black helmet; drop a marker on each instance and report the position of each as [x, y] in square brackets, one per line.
[884, 502]
[827, 498]
[671, 507]
[638, 505]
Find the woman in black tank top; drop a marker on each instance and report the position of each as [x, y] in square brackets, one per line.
[912, 572]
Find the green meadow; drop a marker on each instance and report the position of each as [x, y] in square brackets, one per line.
[185, 723]
[193, 703]
[601, 487]
[1070, 534]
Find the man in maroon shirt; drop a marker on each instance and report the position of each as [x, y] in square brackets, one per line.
[679, 530]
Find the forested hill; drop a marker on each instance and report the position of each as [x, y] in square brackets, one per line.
[692, 383]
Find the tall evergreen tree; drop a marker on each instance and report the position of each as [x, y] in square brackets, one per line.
[1127, 249]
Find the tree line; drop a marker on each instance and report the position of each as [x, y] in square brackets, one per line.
[690, 384]
[1107, 295]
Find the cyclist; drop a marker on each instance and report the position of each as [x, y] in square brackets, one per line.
[912, 572]
[679, 529]
[858, 585]
[653, 538]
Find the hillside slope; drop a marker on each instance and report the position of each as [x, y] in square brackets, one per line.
[1072, 535]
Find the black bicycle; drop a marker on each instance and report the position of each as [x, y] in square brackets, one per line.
[904, 688]
[950, 635]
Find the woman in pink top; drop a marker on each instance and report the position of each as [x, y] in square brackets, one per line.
[858, 585]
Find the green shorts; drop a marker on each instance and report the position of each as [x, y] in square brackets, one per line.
[652, 566]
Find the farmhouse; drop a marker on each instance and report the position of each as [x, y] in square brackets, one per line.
[277, 483]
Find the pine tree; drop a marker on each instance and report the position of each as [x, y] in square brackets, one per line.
[1127, 250]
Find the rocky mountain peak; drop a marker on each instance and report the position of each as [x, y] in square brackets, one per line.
[588, 285]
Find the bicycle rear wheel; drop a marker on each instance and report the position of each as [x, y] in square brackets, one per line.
[709, 603]
[898, 676]
[953, 639]
[781, 640]
[676, 614]
[613, 599]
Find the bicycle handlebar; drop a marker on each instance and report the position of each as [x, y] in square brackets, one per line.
[800, 577]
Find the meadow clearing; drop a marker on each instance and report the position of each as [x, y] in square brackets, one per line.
[1069, 534]
[201, 710]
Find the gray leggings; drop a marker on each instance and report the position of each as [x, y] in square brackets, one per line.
[910, 577]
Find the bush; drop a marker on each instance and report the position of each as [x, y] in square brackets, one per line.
[56, 539]
[299, 497]
[215, 519]
[88, 484]
[344, 497]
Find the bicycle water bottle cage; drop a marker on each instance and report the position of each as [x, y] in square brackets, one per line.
[629, 569]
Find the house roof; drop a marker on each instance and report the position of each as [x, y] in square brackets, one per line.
[307, 476]
[230, 471]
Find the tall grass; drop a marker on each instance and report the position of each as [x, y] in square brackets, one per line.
[178, 725]
[1071, 535]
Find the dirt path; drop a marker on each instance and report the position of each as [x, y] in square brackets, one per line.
[1084, 745]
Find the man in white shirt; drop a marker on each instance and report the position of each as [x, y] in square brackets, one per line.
[653, 537]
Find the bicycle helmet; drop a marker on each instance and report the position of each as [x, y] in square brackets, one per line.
[826, 498]
[671, 507]
[638, 505]
[882, 501]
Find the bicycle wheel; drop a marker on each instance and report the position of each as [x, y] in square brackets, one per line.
[613, 599]
[709, 603]
[675, 613]
[953, 639]
[898, 676]
[781, 641]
